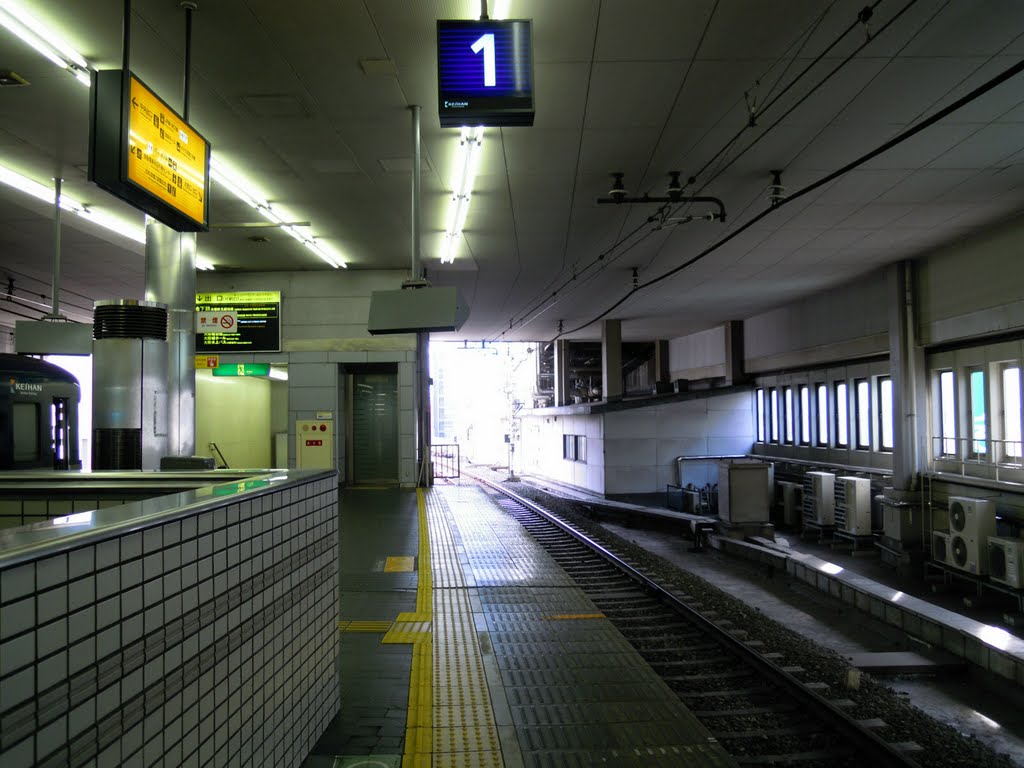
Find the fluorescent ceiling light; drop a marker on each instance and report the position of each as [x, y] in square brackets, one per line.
[233, 182]
[46, 194]
[26, 27]
[467, 163]
[278, 374]
[60, 52]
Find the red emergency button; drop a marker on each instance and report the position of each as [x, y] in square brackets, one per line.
[323, 427]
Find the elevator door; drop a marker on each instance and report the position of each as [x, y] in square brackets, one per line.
[374, 428]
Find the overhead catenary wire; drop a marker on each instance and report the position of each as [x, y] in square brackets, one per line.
[899, 139]
[525, 316]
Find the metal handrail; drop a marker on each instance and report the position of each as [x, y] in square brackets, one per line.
[223, 461]
[986, 452]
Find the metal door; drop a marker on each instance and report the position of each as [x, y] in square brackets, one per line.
[374, 427]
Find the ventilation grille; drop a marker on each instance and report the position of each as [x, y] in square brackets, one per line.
[117, 448]
[119, 320]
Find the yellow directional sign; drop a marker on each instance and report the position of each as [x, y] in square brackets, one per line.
[166, 157]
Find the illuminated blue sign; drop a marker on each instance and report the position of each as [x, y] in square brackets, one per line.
[484, 73]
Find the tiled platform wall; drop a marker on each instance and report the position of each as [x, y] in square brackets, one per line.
[209, 640]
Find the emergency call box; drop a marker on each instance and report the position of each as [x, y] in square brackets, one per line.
[314, 443]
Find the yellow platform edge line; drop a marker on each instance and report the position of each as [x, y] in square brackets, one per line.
[419, 730]
[573, 616]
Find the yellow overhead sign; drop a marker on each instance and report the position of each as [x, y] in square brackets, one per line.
[207, 361]
[166, 157]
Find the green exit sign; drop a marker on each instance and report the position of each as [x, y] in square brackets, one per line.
[243, 369]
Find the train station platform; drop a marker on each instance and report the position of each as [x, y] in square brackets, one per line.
[462, 643]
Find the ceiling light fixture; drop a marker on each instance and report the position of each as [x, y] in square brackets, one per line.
[467, 163]
[26, 27]
[46, 195]
[243, 190]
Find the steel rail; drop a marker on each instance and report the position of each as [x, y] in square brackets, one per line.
[874, 747]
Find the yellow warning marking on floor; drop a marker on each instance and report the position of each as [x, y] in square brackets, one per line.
[399, 564]
[573, 616]
[365, 626]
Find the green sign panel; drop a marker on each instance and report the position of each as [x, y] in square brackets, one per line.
[243, 369]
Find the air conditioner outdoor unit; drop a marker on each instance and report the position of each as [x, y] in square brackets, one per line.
[971, 523]
[792, 502]
[1006, 561]
[819, 498]
[941, 549]
[853, 505]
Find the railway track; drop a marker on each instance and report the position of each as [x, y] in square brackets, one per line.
[762, 710]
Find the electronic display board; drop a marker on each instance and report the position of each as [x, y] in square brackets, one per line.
[485, 72]
[256, 325]
[145, 153]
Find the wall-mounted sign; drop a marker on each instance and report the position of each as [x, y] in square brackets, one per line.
[485, 72]
[216, 322]
[207, 361]
[145, 153]
[255, 322]
[243, 369]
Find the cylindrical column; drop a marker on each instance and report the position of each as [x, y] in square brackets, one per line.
[129, 400]
[417, 253]
[906, 367]
[171, 280]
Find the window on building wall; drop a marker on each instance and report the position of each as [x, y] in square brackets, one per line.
[885, 436]
[842, 416]
[760, 415]
[822, 408]
[1011, 412]
[775, 415]
[979, 421]
[568, 448]
[805, 415]
[787, 401]
[574, 448]
[947, 413]
[863, 391]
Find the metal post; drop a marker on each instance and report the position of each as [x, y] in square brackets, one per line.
[126, 35]
[189, 6]
[55, 299]
[417, 254]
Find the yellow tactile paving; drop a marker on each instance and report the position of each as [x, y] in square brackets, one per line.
[573, 616]
[450, 721]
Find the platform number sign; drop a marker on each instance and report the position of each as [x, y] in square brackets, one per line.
[485, 73]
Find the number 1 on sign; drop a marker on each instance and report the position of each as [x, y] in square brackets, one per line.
[486, 44]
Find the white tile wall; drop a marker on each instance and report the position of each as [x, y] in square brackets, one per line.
[201, 641]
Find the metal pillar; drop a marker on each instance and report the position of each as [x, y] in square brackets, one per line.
[662, 372]
[171, 280]
[611, 360]
[734, 373]
[562, 372]
[906, 366]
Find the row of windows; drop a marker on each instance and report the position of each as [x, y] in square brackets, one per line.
[984, 390]
[823, 415]
[574, 448]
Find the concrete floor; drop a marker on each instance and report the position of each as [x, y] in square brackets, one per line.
[986, 708]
